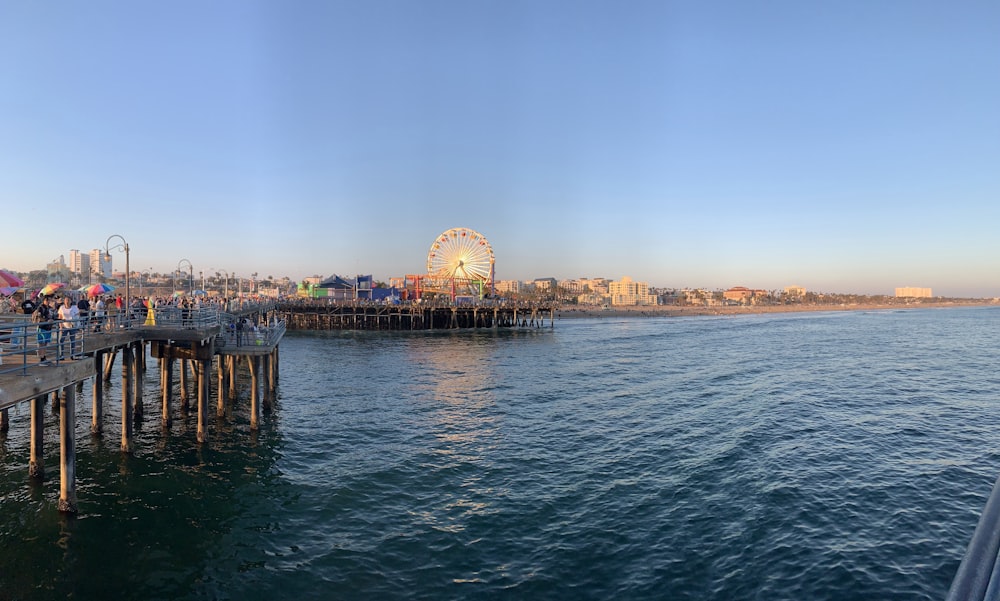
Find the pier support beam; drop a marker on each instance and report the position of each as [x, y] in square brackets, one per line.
[97, 394]
[201, 369]
[166, 388]
[231, 364]
[109, 365]
[67, 451]
[220, 408]
[127, 388]
[138, 349]
[4, 421]
[265, 373]
[254, 391]
[183, 383]
[36, 465]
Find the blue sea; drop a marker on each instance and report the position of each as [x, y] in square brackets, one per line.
[838, 456]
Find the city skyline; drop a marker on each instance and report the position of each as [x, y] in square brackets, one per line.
[849, 147]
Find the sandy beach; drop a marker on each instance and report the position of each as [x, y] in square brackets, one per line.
[571, 311]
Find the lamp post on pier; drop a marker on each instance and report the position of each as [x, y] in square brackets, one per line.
[190, 274]
[226, 293]
[107, 256]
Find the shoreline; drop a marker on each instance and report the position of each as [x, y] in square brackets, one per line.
[575, 312]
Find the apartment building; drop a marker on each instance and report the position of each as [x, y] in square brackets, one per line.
[626, 292]
[910, 292]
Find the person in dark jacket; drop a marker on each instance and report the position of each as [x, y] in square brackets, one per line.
[43, 317]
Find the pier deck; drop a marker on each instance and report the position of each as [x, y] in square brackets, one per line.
[193, 337]
[351, 315]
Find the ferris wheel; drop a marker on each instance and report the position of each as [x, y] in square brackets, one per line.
[461, 253]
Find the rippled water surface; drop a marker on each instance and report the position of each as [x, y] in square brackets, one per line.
[800, 456]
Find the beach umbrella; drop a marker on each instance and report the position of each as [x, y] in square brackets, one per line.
[8, 290]
[97, 289]
[48, 289]
[199, 293]
[9, 279]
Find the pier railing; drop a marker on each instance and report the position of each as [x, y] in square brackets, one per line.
[23, 343]
[978, 576]
[237, 335]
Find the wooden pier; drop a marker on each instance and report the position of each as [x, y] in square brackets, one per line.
[192, 340]
[372, 316]
[186, 344]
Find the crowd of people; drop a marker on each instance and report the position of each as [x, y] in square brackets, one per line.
[72, 313]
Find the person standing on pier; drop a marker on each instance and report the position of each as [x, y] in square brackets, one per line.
[99, 314]
[43, 317]
[83, 305]
[69, 314]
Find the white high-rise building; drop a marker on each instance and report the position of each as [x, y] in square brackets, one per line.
[98, 264]
[79, 262]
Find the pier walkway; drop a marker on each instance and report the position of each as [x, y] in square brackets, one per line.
[87, 349]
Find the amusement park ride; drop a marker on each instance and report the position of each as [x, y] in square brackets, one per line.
[459, 264]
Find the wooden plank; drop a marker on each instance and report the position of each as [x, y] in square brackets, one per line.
[40, 381]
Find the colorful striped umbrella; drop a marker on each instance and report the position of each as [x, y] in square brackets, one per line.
[9, 279]
[97, 289]
[8, 290]
[48, 289]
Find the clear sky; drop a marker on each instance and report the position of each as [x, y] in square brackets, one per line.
[845, 146]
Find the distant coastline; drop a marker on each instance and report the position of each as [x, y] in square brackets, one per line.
[577, 311]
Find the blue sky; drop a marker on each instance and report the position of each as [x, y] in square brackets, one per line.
[848, 146]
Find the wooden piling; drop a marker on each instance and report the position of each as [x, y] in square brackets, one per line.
[127, 390]
[67, 452]
[182, 364]
[254, 391]
[109, 364]
[201, 385]
[266, 381]
[36, 465]
[166, 388]
[4, 421]
[97, 396]
[138, 349]
[231, 364]
[220, 408]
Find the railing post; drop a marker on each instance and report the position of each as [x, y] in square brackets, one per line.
[974, 574]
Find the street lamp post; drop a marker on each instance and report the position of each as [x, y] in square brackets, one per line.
[107, 257]
[226, 293]
[190, 274]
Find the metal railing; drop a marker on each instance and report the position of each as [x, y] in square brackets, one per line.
[237, 335]
[977, 575]
[24, 344]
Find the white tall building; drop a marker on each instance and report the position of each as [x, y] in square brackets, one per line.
[910, 291]
[79, 262]
[98, 264]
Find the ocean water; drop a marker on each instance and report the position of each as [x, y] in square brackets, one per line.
[801, 456]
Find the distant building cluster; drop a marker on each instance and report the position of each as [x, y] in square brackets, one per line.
[911, 292]
[93, 263]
